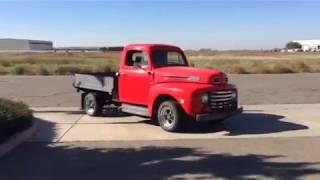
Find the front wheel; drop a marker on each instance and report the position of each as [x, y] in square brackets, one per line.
[169, 116]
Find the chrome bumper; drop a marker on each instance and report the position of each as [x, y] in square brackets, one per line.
[217, 116]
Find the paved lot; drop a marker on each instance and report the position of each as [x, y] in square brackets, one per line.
[266, 142]
[254, 89]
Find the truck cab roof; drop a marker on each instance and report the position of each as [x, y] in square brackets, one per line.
[151, 47]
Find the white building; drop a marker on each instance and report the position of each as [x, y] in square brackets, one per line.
[309, 45]
[25, 45]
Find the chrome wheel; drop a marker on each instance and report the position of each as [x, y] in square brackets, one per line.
[169, 115]
[91, 105]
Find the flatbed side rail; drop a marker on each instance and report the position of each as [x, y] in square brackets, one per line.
[93, 82]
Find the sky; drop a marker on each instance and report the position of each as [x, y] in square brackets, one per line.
[216, 24]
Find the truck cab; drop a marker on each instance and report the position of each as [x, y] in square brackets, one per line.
[156, 81]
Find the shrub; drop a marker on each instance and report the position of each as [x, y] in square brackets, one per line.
[67, 70]
[237, 70]
[260, 68]
[6, 63]
[3, 71]
[14, 117]
[102, 69]
[22, 70]
[278, 68]
[301, 67]
[42, 71]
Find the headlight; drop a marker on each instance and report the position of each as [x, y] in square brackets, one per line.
[205, 98]
[226, 79]
[216, 80]
[234, 95]
[221, 79]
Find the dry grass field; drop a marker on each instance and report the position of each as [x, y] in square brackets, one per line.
[57, 63]
[234, 62]
[252, 62]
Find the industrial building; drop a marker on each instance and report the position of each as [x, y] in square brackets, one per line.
[25, 45]
[309, 45]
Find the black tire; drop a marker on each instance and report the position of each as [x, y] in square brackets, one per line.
[218, 121]
[92, 105]
[169, 116]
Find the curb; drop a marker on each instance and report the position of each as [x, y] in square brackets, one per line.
[17, 139]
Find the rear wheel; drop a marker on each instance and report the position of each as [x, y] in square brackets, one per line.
[169, 115]
[92, 105]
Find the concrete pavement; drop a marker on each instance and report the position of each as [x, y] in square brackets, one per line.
[266, 142]
[257, 121]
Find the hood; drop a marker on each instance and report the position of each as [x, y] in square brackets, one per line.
[189, 74]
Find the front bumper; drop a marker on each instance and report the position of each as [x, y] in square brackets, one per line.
[217, 116]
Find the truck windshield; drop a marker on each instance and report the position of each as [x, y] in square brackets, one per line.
[168, 58]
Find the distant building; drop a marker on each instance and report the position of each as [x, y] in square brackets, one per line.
[309, 45]
[25, 45]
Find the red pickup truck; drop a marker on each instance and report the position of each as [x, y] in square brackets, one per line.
[156, 81]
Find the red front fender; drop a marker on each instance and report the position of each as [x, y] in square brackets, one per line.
[188, 95]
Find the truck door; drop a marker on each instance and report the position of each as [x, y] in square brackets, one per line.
[135, 78]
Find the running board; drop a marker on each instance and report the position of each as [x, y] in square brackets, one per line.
[134, 109]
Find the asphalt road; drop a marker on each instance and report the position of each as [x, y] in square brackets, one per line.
[39, 91]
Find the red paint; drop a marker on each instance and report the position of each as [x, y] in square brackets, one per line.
[142, 85]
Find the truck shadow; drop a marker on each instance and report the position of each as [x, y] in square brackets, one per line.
[260, 123]
[243, 124]
[247, 123]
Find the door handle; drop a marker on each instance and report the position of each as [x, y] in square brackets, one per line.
[150, 73]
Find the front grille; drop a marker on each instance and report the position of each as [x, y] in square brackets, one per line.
[221, 99]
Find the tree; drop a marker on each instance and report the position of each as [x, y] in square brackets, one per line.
[104, 49]
[293, 45]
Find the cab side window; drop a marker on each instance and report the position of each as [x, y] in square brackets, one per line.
[174, 58]
[136, 58]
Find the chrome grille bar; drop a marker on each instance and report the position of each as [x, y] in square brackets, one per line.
[221, 96]
[222, 92]
[221, 99]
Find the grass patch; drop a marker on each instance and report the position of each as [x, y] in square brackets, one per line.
[14, 117]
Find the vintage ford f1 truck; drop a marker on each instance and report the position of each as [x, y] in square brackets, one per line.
[156, 81]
